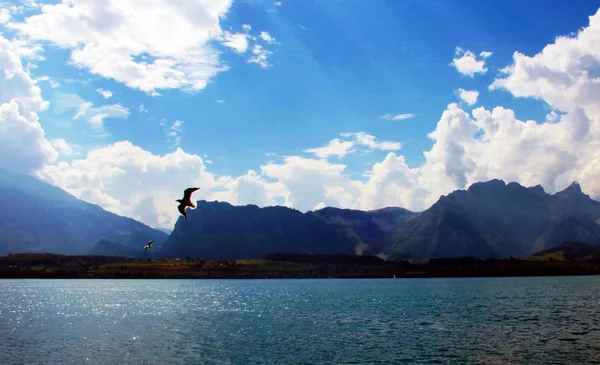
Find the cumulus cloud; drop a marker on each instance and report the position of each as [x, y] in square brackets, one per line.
[5, 15]
[397, 116]
[339, 148]
[63, 147]
[169, 45]
[23, 145]
[482, 144]
[468, 96]
[128, 180]
[467, 63]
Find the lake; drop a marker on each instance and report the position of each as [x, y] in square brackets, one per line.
[533, 320]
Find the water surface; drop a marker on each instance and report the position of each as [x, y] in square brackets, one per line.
[550, 320]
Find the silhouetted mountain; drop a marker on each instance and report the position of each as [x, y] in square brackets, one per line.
[38, 217]
[498, 220]
[221, 230]
[489, 219]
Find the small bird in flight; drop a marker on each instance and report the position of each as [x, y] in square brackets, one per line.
[148, 245]
[186, 201]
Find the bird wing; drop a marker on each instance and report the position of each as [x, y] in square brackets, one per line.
[150, 243]
[187, 193]
[181, 209]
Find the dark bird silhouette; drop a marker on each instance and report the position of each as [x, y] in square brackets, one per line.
[186, 201]
[148, 245]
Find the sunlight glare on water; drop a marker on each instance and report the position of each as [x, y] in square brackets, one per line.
[384, 321]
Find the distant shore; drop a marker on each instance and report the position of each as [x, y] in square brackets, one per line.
[280, 266]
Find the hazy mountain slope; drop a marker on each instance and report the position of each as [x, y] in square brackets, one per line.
[371, 228]
[38, 217]
[110, 248]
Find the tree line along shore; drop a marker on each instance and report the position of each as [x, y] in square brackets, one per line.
[36, 265]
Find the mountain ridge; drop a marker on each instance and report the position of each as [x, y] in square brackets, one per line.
[488, 219]
[45, 218]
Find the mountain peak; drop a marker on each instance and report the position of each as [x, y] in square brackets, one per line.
[572, 190]
[494, 184]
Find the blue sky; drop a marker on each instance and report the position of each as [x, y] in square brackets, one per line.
[330, 68]
[337, 67]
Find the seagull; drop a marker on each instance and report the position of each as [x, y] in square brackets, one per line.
[148, 245]
[186, 201]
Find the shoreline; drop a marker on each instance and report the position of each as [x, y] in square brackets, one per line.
[54, 266]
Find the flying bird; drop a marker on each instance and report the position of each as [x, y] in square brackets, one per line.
[148, 245]
[186, 201]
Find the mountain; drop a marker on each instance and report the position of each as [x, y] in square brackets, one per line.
[38, 217]
[495, 219]
[221, 230]
[110, 248]
[570, 251]
[489, 219]
[370, 228]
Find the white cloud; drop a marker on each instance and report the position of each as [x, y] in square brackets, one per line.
[466, 62]
[236, 41]
[23, 145]
[221, 101]
[260, 56]
[335, 147]
[105, 93]
[82, 109]
[397, 116]
[174, 133]
[128, 180]
[467, 147]
[142, 109]
[247, 27]
[370, 141]
[95, 116]
[468, 96]
[107, 39]
[53, 84]
[64, 148]
[5, 15]
[319, 206]
[339, 148]
[552, 116]
[265, 36]
[277, 3]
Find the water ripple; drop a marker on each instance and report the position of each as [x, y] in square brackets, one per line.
[383, 321]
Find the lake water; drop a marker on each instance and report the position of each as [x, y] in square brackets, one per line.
[551, 320]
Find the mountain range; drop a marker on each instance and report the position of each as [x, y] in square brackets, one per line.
[38, 217]
[489, 219]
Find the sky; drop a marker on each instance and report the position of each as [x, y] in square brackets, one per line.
[345, 103]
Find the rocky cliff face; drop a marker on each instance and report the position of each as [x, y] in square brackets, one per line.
[499, 220]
